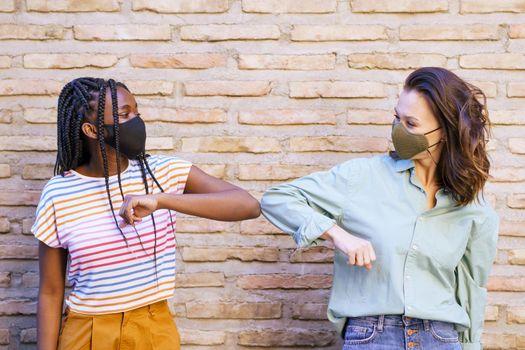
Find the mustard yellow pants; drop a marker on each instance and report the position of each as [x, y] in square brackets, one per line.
[150, 327]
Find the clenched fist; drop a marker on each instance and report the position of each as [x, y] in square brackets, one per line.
[359, 251]
[135, 207]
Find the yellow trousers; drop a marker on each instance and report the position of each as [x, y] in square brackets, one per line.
[150, 327]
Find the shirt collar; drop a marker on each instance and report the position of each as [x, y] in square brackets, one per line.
[404, 164]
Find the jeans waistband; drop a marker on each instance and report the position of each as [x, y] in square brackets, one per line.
[394, 320]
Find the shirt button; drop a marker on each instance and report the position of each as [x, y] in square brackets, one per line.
[407, 277]
[415, 247]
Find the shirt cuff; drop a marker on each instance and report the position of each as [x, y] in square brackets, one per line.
[471, 346]
[312, 229]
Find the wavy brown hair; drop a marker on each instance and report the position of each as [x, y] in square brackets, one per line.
[460, 107]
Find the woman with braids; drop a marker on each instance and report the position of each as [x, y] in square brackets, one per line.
[414, 237]
[109, 212]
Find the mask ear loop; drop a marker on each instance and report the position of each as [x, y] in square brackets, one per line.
[429, 153]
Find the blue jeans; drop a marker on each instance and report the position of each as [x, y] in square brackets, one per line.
[390, 332]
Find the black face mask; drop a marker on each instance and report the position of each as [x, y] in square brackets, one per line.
[132, 137]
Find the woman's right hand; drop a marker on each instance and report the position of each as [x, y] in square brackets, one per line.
[359, 251]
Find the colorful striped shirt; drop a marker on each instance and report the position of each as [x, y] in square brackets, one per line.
[109, 275]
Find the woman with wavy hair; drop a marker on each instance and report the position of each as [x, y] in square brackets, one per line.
[414, 237]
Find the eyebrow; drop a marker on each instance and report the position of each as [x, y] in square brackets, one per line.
[127, 106]
[406, 116]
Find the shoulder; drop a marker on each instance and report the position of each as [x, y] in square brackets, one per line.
[56, 185]
[486, 219]
[162, 160]
[375, 164]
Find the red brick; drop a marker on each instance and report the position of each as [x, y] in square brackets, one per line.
[197, 225]
[227, 88]
[336, 89]
[287, 117]
[312, 255]
[15, 251]
[122, 32]
[5, 279]
[73, 6]
[13, 198]
[338, 33]
[181, 6]
[184, 115]
[309, 311]
[223, 254]
[229, 144]
[30, 280]
[506, 284]
[31, 32]
[17, 307]
[399, 6]
[285, 281]
[200, 279]
[259, 226]
[4, 336]
[291, 337]
[338, 144]
[489, 6]
[222, 32]
[287, 62]
[289, 6]
[394, 60]
[179, 61]
[14, 87]
[198, 337]
[275, 171]
[367, 116]
[28, 335]
[236, 310]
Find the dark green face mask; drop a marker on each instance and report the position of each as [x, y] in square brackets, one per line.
[407, 144]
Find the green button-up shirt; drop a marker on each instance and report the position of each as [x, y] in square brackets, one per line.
[431, 263]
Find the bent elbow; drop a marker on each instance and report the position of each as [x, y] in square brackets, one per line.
[254, 209]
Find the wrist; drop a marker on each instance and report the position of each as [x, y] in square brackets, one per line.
[161, 200]
[331, 233]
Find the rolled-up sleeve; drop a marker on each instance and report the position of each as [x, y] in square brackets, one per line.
[309, 206]
[471, 276]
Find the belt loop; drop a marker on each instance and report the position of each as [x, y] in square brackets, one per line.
[426, 323]
[380, 323]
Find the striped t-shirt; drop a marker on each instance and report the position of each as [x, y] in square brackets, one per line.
[107, 275]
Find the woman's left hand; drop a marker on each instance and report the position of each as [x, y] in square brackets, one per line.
[135, 207]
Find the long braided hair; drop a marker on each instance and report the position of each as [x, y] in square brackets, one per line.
[77, 100]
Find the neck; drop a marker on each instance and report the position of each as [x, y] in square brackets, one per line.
[95, 166]
[426, 168]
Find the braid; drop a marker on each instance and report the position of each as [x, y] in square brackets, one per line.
[73, 106]
[102, 145]
[159, 186]
[144, 156]
[142, 160]
[114, 105]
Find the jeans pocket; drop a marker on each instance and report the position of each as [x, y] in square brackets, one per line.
[444, 332]
[358, 334]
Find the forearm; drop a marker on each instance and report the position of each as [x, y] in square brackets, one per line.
[329, 234]
[233, 205]
[49, 315]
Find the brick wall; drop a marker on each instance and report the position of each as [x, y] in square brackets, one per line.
[256, 92]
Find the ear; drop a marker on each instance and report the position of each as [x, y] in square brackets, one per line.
[89, 130]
